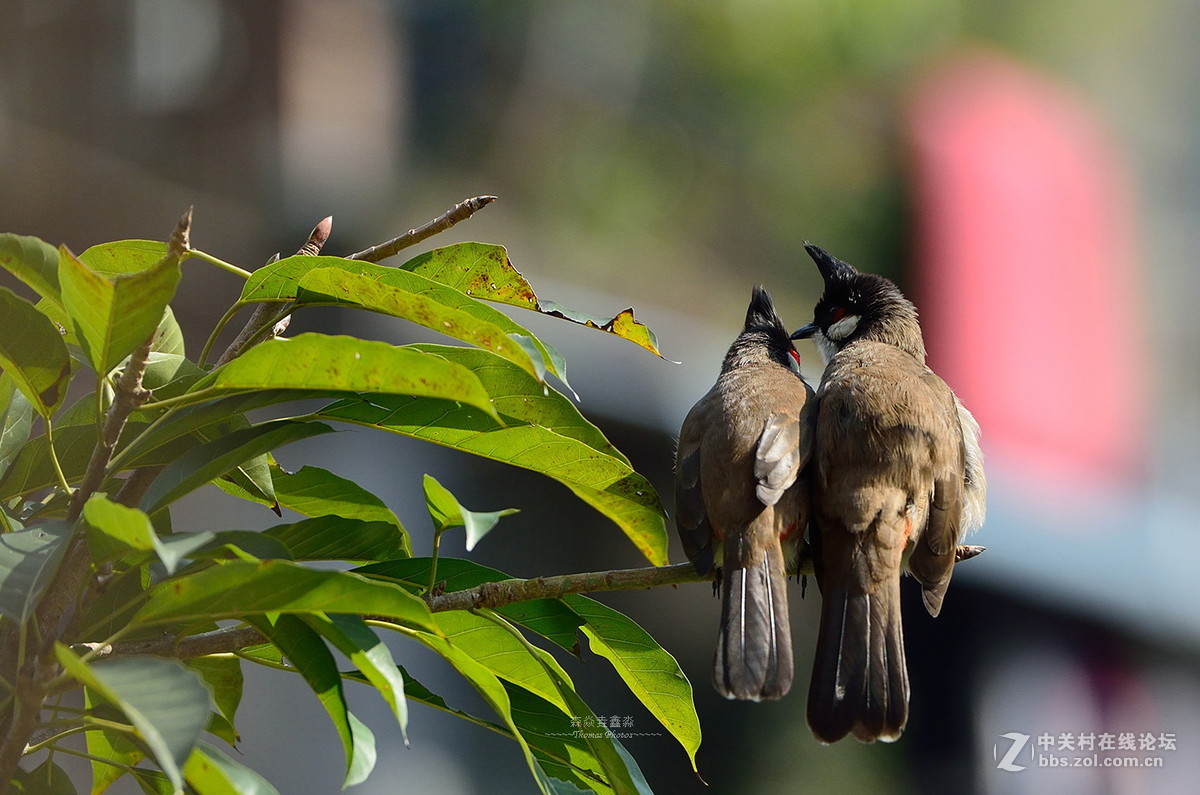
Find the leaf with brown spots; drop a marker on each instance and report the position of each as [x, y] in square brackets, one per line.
[623, 325]
[482, 270]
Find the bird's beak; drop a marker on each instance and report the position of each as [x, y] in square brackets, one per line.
[804, 332]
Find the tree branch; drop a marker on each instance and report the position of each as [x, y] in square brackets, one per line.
[498, 594]
[218, 641]
[488, 595]
[459, 212]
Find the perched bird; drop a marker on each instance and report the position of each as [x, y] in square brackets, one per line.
[740, 502]
[896, 480]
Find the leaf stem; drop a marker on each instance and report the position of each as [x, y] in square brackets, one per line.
[58, 470]
[433, 560]
[220, 263]
[216, 332]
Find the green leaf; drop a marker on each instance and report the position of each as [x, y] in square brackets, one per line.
[490, 688]
[252, 475]
[308, 366]
[169, 374]
[338, 282]
[649, 670]
[446, 512]
[210, 772]
[45, 779]
[53, 309]
[619, 768]
[255, 544]
[223, 677]
[549, 618]
[544, 434]
[112, 751]
[164, 700]
[33, 353]
[482, 270]
[113, 315]
[122, 257]
[116, 603]
[290, 279]
[336, 538]
[559, 742]
[237, 589]
[317, 362]
[74, 441]
[554, 738]
[168, 337]
[213, 459]
[623, 325]
[352, 637]
[33, 261]
[309, 654]
[313, 491]
[16, 420]
[28, 560]
[559, 787]
[153, 782]
[113, 530]
[174, 549]
[500, 652]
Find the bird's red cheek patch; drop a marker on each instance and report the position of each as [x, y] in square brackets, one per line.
[788, 532]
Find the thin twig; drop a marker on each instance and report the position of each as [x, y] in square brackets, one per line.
[459, 212]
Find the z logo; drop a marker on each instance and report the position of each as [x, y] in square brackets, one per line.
[1018, 743]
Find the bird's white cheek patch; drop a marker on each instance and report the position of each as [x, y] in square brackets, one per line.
[843, 328]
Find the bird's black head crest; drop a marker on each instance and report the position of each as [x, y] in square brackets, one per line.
[833, 270]
[761, 314]
[763, 336]
[857, 305]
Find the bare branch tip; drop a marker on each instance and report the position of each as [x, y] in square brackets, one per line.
[323, 228]
[180, 241]
[317, 237]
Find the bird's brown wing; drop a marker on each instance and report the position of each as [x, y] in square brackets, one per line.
[777, 457]
[932, 559]
[691, 517]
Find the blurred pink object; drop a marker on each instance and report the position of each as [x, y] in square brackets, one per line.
[1028, 275]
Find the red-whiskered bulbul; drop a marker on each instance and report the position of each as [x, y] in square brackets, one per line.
[741, 505]
[896, 480]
